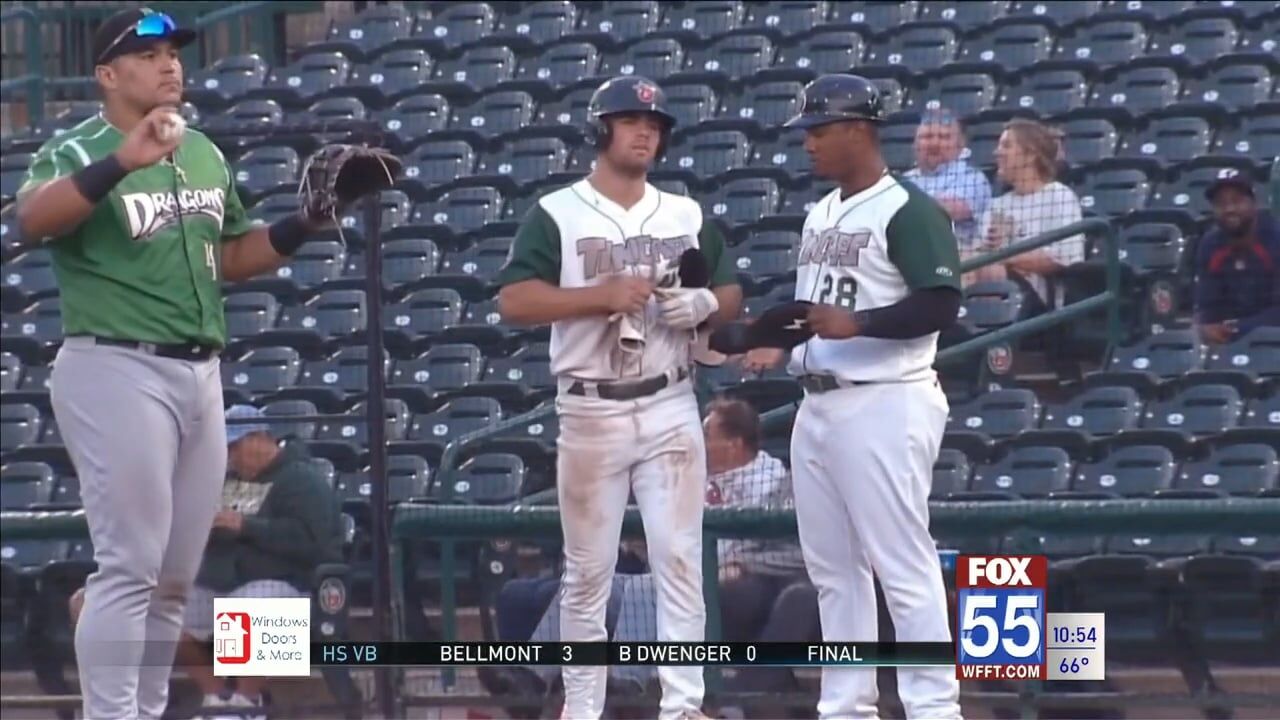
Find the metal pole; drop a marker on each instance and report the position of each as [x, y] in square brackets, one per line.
[378, 445]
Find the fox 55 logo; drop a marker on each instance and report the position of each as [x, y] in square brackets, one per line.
[1001, 609]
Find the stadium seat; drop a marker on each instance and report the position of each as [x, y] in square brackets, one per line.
[1012, 45]
[1127, 471]
[41, 322]
[1162, 546]
[1236, 469]
[787, 19]
[1060, 13]
[743, 201]
[731, 59]
[23, 484]
[1198, 39]
[437, 162]
[354, 427]
[1235, 86]
[282, 416]
[691, 103]
[414, 117]
[406, 262]
[393, 75]
[455, 27]
[1089, 139]
[266, 169]
[1169, 354]
[1138, 89]
[831, 51]
[496, 114]
[524, 375]
[619, 22]
[246, 114]
[489, 479]
[965, 15]
[334, 379]
[768, 255]
[951, 474]
[478, 69]
[1199, 410]
[897, 143]
[408, 476]
[481, 261]
[226, 81]
[963, 93]
[250, 313]
[876, 15]
[1263, 412]
[1258, 353]
[1105, 42]
[1170, 140]
[10, 371]
[456, 418]
[998, 414]
[20, 425]
[444, 368]
[369, 32]
[703, 21]
[1034, 471]
[316, 263]
[305, 80]
[921, 47]
[992, 304]
[652, 58]
[420, 314]
[705, 153]
[786, 158]
[1147, 248]
[1049, 91]
[538, 24]
[1227, 608]
[559, 67]
[331, 315]
[1185, 192]
[1110, 190]
[32, 274]
[1098, 411]
[463, 210]
[1137, 609]
[263, 370]
[569, 111]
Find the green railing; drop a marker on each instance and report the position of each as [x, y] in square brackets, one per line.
[246, 27]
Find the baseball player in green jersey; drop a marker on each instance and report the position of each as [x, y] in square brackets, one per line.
[584, 260]
[143, 223]
[879, 270]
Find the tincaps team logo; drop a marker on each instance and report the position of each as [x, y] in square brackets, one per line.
[332, 595]
[646, 92]
[231, 638]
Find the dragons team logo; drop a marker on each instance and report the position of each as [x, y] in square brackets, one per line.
[646, 92]
[149, 213]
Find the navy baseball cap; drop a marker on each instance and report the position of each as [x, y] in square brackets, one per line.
[1239, 181]
[135, 30]
[243, 427]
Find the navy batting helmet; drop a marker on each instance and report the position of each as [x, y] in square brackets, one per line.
[836, 98]
[629, 93]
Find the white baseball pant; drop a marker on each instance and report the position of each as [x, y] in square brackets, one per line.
[862, 466]
[652, 446]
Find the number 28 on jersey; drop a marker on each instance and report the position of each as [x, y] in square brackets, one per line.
[1000, 611]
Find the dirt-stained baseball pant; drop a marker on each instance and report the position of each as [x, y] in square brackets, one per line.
[148, 439]
[862, 466]
[606, 450]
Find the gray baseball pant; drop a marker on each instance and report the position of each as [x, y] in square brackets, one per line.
[148, 439]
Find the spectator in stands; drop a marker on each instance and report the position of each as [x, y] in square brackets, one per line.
[1237, 264]
[961, 189]
[279, 523]
[1027, 158]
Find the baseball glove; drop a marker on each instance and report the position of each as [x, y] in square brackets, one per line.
[781, 326]
[337, 175]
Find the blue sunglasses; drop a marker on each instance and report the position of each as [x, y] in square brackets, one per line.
[155, 24]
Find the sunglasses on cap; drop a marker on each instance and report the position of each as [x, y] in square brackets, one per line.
[153, 24]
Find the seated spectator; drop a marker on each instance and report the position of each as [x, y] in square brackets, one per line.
[1027, 158]
[1237, 265]
[279, 522]
[961, 189]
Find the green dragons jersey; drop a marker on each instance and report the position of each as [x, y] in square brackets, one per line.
[145, 264]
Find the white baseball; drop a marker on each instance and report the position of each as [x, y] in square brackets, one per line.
[171, 127]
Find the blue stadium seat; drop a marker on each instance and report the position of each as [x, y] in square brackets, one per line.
[1258, 353]
[337, 378]
[1011, 45]
[10, 371]
[876, 15]
[414, 117]
[456, 418]
[1235, 85]
[963, 93]
[1147, 248]
[570, 110]
[394, 75]
[1199, 38]
[786, 159]
[921, 47]
[1105, 41]
[704, 21]
[524, 375]
[496, 114]
[406, 262]
[966, 16]
[1263, 412]
[744, 200]
[420, 314]
[951, 474]
[283, 415]
[40, 323]
[1127, 471]
[1199, 410]
[305, 80]
[897, 143]
[1098, 411]
[463, 210]
[261, 371]
[1169, 354]
[250, 313]
[1138, 88]
[1114, 190]
[558, 67]
[1048, 91]
[652, 58]
[1089, 139]
[489, 479]
[1227, 608]
[332, 315]
[437, 162]
[478, 69]
[25, 483]
[691, 103]
[787, 19]
[20, 425]
[1060, 13]
[481, 261]
[830, 51]
[998, 414]
[455, 27]
[370, 32]
[702, 154]
[31, 273]
[1034, 471]
[266, 169]
[538, 24]
[1235, 469]
[993, 304]
[731, 59]
[1170, 140]
[354, 427]
[619, 22]
[226, 81]
[767, 256]
[444, 368]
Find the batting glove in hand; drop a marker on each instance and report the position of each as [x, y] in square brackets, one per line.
[686, 308]
[338, 175]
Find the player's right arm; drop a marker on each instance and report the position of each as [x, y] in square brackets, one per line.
[61, 191]
[530, 280]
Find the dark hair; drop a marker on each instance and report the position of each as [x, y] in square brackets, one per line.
[1042, 142]
[738, 419]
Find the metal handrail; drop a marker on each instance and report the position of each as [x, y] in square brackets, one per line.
[33, 79]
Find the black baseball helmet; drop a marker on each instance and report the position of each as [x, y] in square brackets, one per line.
[836, 98]
[629, 93]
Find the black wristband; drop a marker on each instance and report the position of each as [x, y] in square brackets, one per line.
[97, 179]
[287, 235]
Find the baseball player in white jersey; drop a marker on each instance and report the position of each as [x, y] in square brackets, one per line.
[879, 261]
[587, 259]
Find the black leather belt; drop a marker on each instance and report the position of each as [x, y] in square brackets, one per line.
[826, 383]
[186, 351]
[626, 390]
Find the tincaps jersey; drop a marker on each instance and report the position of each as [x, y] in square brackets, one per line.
[868, 251]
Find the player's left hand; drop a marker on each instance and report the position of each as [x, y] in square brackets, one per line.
[686, 308]
[229, 519]
[832, 323]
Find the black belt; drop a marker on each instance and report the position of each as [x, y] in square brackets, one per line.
[827, 383]
[176, 351]
[625, 390]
